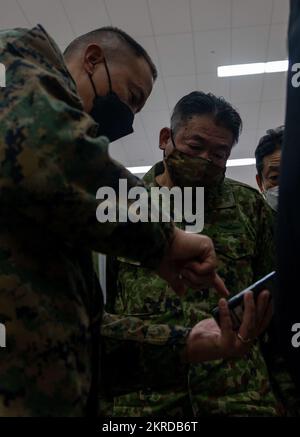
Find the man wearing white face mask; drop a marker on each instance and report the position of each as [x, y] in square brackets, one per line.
[268, 156]
[268, 160]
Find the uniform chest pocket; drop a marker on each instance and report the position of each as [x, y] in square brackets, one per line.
[236, 256]
[234, 246]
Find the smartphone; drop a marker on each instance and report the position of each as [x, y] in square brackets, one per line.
[236, 303]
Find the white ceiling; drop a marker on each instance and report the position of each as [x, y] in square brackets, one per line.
[187, 40]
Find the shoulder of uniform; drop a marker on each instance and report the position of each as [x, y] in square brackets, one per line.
[237, 185]
[245, 194]
[149, 177]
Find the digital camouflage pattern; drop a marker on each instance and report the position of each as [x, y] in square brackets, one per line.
[240, 225]
[52, 164]
[150, 349]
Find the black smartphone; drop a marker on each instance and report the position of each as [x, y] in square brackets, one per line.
[236, 303]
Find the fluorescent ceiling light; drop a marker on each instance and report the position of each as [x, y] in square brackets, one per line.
[254, 68]
[139, 170]
[230, 163]
[240, 162]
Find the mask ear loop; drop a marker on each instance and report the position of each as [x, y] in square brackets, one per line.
[93, 85]
[172, 139]
[108, 75]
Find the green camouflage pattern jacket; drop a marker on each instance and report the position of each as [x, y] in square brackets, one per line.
[52, 164]
[240, 225]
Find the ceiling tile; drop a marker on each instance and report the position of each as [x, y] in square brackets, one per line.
[249, 114]
[243, 174]
[211, 14]
[138, 128]
[158, 155]
[170, 16]
[246, 88]
[212, 49]
[52, 16]
[251, 12]
[158, 99]
[148, 42]
[12, 16]
[176, 54]
[274, 86]
[259, 134]
[249, 44]
[138, 151]
[277, 49]
[130, 15]
[272, 114]
[210, 83]
[87, 15]
[117, 151]
[246, 145]
[281, 11]
[153, 123]
[178, 87]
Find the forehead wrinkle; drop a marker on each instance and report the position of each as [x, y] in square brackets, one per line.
[272, 161]
[207, 127]
[210, 139]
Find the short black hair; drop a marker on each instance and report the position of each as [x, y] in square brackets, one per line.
[200, 103]
[267, 145]
[112, 39]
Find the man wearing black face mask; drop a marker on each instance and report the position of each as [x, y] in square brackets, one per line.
[109, 108]
[53, 161]
[120, 80]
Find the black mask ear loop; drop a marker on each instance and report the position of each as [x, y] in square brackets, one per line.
[108, 77]
[172, 139]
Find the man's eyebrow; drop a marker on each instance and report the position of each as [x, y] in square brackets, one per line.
[195, 137]
[199, 138]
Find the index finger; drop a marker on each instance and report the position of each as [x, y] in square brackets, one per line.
[220, 286]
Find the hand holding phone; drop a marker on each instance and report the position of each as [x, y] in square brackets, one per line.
[236, 303]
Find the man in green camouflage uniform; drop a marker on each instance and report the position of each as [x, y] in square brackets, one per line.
[203, 131]
[53, 161]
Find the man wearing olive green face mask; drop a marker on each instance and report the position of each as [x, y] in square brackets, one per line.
[196, 147]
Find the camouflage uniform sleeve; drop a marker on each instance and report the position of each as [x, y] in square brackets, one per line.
[136, 351]
[264, 261]
[53, 164]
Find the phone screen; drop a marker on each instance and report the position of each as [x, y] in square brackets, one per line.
[236, 303]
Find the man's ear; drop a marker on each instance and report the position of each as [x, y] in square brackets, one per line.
[93, 55]
[164, 137]
[259, 182]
